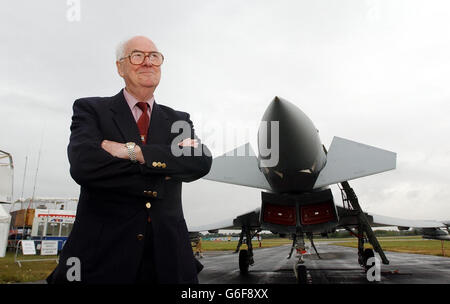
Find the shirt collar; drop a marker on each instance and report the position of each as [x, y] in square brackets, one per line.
[132, 101]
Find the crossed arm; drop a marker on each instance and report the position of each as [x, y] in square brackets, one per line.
[119, 150]
[104, 164]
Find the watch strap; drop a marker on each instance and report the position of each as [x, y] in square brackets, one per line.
[131, 153]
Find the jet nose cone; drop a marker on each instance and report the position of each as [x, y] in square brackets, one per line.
[278, 100]
[280, 109]
[294, 125]
[296, 140]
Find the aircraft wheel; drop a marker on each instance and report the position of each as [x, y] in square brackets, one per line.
[302, 277]
[367, 254]
[244, 262]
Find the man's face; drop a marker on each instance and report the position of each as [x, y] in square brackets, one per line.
[144, 75]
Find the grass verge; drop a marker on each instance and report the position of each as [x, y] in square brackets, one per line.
[10, 272]
[231, 245]
[431, 247]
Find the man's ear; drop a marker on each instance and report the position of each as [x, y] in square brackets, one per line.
[119, 68]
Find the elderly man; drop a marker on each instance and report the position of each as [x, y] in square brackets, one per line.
[130, 226]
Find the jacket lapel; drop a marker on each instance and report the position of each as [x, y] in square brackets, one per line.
[159, 128]
[124, 119]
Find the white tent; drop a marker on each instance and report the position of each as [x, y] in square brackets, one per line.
[5, 220]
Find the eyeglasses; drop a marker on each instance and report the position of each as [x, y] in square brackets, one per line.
[138, 57]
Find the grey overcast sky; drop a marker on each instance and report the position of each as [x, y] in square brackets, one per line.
[377, 72]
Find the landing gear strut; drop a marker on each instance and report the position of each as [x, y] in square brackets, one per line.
[310, 236]
[366, 255]
[363, 227]
[246, 256]
[298, 243]
[363, 254]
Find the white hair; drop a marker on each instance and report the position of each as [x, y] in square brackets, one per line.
[120, 49]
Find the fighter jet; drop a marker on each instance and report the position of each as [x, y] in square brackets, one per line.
[295, 171]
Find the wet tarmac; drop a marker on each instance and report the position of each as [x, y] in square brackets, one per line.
[338, 265]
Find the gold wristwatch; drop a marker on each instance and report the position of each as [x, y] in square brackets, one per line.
[130, 147]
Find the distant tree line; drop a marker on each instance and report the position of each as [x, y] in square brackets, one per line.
[344, 233]
[337, 234]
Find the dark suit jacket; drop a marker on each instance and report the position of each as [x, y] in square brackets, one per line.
[112, 213]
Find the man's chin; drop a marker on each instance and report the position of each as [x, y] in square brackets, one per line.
[149, 84]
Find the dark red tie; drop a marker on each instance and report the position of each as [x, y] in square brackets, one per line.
[143, 121]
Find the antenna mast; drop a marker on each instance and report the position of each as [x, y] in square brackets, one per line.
[37, 169]
[23, 182]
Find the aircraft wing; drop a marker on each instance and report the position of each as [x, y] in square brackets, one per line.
[348, 218]
[382, 220]
[429, 228]
[225, 224]
[347, 160]
[239, 167]
[249, 219]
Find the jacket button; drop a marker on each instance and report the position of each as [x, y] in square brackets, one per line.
[155, 194]
[140, 237]
[148, 205]
[154, 164]
[163, 165]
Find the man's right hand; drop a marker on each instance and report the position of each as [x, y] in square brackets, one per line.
[189, 142]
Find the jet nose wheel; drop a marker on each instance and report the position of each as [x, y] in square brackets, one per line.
[301, 274]
[244, 262]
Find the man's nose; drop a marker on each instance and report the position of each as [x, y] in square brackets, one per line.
[147, 61]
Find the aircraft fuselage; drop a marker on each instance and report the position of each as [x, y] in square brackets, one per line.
[294, 205]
